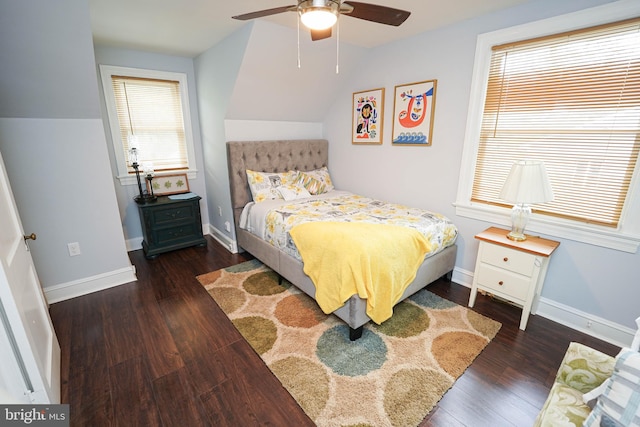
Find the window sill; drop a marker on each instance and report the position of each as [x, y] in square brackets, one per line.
[130, 179]
[556, 227]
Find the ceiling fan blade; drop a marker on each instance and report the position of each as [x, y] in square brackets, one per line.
[267, 12]
[375, 13]
[320, 34]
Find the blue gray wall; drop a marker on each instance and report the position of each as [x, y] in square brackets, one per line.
[53, 143]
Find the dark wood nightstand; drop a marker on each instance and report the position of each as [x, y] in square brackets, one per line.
[169, 224]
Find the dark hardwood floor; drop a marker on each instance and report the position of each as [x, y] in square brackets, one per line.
[160, 352]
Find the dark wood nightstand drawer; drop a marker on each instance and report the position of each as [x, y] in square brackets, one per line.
[169, 215]
[173, 235]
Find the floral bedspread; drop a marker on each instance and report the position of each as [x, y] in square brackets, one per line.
[438, 229]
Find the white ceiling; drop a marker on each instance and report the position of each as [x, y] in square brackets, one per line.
[190, 27]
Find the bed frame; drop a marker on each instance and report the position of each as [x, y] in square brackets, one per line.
[306, 155]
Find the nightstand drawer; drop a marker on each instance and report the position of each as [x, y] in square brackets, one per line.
[505, 282]
[178, 234]
[508, 259]
[172, 214]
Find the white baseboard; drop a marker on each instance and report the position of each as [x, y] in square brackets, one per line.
[586, 323]
[134, 244]
[462, 277]
[568, 316]
[223, 239]
[89, 285]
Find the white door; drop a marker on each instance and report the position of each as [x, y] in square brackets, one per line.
[30, 356]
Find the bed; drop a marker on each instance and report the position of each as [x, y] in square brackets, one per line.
[306, 155]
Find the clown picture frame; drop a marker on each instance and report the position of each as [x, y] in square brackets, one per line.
[367, 117]
[413, 112]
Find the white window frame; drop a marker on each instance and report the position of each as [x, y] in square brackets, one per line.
[626, 237]
[106, 73]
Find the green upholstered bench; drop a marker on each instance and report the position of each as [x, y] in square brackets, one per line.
[582, 370]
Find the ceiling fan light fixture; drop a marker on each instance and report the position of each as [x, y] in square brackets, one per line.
[319, 14]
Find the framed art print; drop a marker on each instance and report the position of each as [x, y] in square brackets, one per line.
[169, 184]
[367, 116]
[413, 111]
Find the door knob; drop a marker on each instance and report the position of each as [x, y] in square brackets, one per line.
[31, 236]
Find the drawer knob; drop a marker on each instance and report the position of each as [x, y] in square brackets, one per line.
[500, 283]
[505, 259]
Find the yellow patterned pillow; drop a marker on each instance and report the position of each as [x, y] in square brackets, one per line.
[316, 181]
[264, 185]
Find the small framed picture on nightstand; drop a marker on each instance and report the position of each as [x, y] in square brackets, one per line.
[164, 185]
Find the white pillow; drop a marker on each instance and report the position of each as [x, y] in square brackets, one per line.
[619, 404]
[635, 345]
[293, 192]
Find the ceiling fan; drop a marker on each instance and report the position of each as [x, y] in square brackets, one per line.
[320, 15]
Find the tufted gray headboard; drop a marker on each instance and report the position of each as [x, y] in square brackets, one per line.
[269, 156]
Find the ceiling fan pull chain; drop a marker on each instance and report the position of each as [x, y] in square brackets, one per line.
[338, 46]
[298, 41]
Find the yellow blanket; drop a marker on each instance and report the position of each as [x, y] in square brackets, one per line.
[375, 261]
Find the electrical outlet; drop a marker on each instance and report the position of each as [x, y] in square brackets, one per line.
[74, 249]
[589, 324]
[227, 226]
[219, 211]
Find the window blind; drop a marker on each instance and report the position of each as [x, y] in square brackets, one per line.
[571, 100]
[150, 116]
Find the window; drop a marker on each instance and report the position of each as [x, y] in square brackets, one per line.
[149, 110]
[571, 99]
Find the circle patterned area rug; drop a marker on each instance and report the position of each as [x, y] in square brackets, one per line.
[392, 376]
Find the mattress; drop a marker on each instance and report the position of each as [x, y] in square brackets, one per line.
[272, 220]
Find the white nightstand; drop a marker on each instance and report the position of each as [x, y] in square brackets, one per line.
[511, 270]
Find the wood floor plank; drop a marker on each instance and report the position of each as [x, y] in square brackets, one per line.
[229, 406]
[134, 403]
[164, 343]
[440, 417]
[177, 403]
[469, 410]
[89, 383]
[198, 338]
[247, 399]
[156, 341]
[497, 397]
[122, 334]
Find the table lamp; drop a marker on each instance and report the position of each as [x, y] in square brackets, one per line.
[527, 183]
[144, 196]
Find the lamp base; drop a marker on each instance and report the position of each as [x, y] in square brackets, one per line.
[144, 199]
[516, 237]
[519, 217]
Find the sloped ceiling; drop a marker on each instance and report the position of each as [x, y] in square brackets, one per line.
[270, 86]
[190, 27]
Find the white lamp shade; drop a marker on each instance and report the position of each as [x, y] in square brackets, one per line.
[527, 183]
